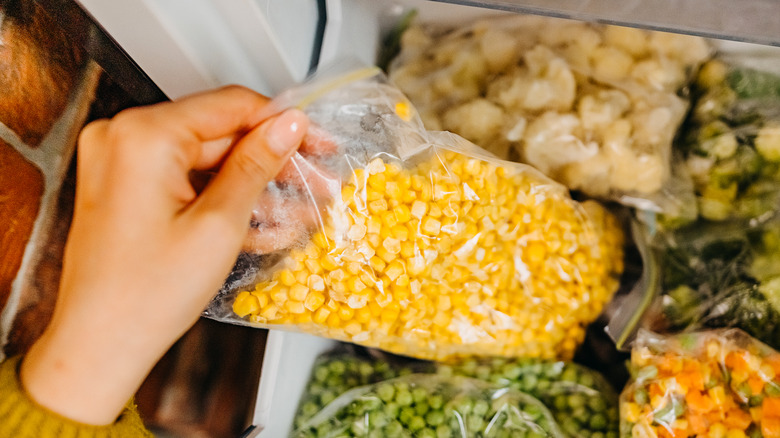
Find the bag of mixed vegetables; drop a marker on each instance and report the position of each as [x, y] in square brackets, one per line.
[583, 404]
[430, 406]
[731, 140]
[592, 106]
[710, 275]
[719, 383]
[421, 243]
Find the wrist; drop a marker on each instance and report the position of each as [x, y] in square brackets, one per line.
[82, 374]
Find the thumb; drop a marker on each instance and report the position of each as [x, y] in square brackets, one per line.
[252, 163]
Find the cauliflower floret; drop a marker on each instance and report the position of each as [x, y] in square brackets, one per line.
[591, 175]
[516, 130]
[631, 172]
[600, 110]
[653, 126]
[610, 64]
[499, 48]
[690, 50]
[553, 88]
[581, 35]
[661, 74]
[478, 120]
[551, 141]
[629, 39]
[414, 39]
[768, 142]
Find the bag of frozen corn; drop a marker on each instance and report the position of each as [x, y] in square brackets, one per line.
[592, 106]
[425, 245]
[430, 406]
[719, 383]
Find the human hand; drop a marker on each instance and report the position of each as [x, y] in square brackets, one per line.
[146, 251]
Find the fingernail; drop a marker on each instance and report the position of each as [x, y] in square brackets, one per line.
[287, 131]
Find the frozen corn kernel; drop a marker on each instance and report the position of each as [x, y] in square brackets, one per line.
[450, 261]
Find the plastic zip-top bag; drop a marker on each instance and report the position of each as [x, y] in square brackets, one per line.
[419, 242]
[711, 383]
[595, 107]
[421, 405]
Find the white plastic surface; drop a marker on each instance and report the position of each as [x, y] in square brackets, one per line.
[287, 365]
[191, 45]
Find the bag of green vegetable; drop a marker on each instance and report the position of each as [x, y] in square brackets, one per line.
[581, 400]
[731, 140]
[592, 106]
[719, 383]
[430, 406]
[338, 371]
[708, 275]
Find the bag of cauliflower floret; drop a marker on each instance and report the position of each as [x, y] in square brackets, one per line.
[418, 242]
[595, 107]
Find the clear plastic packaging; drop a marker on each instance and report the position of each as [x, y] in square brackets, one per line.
[582, 402]
[425, 245]
[719, 383]
[592, 106]
[731, 140]
[429, 406]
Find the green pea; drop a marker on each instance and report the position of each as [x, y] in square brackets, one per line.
[561, 402]
[445, 370]
[475, 424]
[586, 379]
[756, 400]
[529, 382]
[403, 398]
[421, 408]
[533, 411]
[337, 367]
[772, 389]
[598, 422]
[576, 401]
[641, 396]
[584, 433]
[309, 409]
[512, 372]
[613, 414]
[394, 428]
[406, 415]
[377, 419]
[612, 434]
[385, 391]
[416, 423]
[598, 435]
[483, 372]
[376, 433]
[436, 401]
[365, 369]
[569, 374]
[443, 431]
[543, 387]
[570, 425]
[597, 404]
[434, 418]
[481, 407]
[535, 434]
[334, 381]
[321, 373]
[426, 433]
[419, 395]
[392, 409]
[327, 397]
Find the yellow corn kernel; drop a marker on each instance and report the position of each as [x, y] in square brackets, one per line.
[400, 232]
[333, 320]
[269, 312]
[431, 226]
[407, 250]
[419, 209]
[295, 307]
[735, 433]
[394, 269]
[402, 213]
[316, 283]
[320, 315]
[434, 211]
[313, 266]
[375, 240]
[245, 304]
[298, 292]
[392, 190]
[279, 295]
[356, 232]
[392, 245]
[402, 280]
[314, 301]
[262, 298]
[337, 275]
[385, 255]
[377, 264]
[378, 206]
[287, 277]
[345, 313]
[355, 285]
[329, 263]
[373, 225]
[717, 430]
[389, 220]
[302, 277]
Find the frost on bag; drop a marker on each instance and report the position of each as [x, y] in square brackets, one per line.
[594, 107]
[719, 383]
[428, 406]
[428, 246]
[731, 140]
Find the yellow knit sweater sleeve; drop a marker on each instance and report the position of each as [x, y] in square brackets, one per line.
[21, 417]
